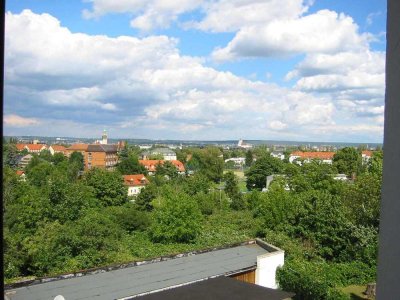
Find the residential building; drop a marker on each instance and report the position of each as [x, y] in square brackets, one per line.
[24, 160]
[31, 148]
[135, 183]
[151, 164]
[21, 175]
[101, 156]
[57, 149]
[238, 161]
[300, 156]
[342, 177]
[254, 262]
[166, 153]
[82, 148]
[278, 154]
[366, 156]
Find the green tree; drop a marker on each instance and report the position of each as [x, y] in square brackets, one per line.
[258, 172]
[10, 155]
[208, 162]
[58, 158]
[77, 158]
[145, 198]
[46, 155]
[347, 161]
[166, 169]
[249, 158]
[177, 220]
[108, 186]
[198, 183]
[233, 192]
[130, 165]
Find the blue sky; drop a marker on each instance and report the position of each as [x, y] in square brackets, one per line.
[196, 69]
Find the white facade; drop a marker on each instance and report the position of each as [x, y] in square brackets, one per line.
[267, 264]
[239, 161]
[279, 155]
[134, 190]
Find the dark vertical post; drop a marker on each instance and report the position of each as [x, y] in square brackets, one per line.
[388, 283]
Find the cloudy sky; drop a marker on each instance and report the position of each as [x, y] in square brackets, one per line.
[196, 69]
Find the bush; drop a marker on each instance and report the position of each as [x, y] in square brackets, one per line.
[177, 220]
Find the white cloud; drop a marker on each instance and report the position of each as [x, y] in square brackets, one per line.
[322, 32]
[18, 121]
[145, 88]
[232, 15]
[149, 14]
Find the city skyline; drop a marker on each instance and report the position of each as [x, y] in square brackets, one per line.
[202, 70]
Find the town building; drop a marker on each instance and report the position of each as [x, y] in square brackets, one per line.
[151, 165]
[21, 174]
[300, 156]
[242, 144]
[254, 262]
[82, 148]
[57, 149]
[238, 161]
[135, 183]
[31, 148]
[24, 160]
[166, 153]
[366, 156]
[101, 156]
[278, 154]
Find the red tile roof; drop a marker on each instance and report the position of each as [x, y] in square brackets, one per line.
[58, 148]
[20, 147]
[78, 147]
[314, 155]
[367, 153]
[150, 164]
[135, 180]
[20, 172]
[36, 147]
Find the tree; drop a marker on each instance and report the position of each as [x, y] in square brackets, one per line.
[58, 158]
[249, 158]
[258, 172]
[198, 183]
[209, 162]
[77, 158]
[233, 192]
[348, 161]
[10, 155]
[130, 165]
[108, 186]
[46, 155]
[177, 220]
[146, 196]
[166, 169]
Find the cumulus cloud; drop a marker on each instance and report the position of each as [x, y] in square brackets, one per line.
[18, 121]
[323, 32]
[149, 14]
[144, 87]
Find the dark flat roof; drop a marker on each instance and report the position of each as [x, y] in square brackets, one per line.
[145, 278]
[219, 288]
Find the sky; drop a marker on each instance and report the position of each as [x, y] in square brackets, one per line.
[196, 69]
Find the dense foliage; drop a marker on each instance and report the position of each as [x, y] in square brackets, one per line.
[58, 221]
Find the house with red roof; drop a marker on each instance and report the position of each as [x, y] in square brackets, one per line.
[31, 148]
[151, 164]
[135, 183]
[325, 157]
[366, 156]
[21, 175]
[57, 149]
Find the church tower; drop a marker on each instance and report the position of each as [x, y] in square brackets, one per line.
[104, 137]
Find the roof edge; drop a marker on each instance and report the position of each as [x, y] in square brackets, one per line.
[109, 268]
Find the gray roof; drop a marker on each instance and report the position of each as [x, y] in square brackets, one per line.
[102, 148]
[145, 278]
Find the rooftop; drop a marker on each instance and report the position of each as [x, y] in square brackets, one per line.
[145, 277]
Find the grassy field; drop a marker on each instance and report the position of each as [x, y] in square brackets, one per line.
[356, 292]
[241, 178]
